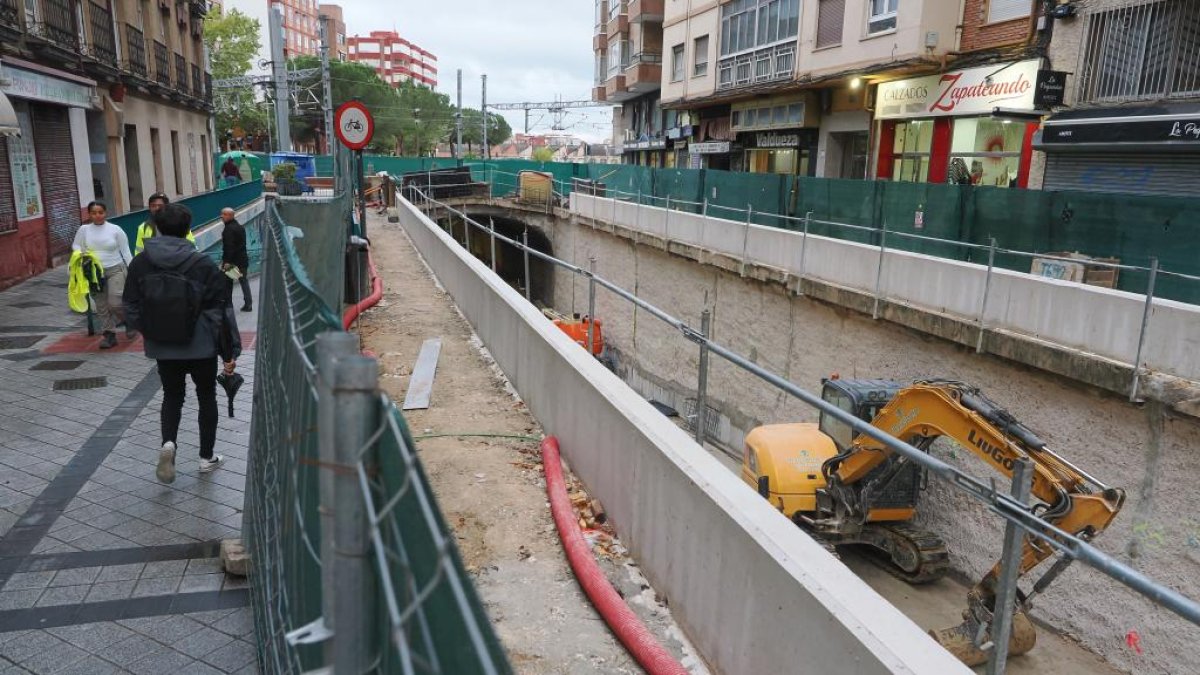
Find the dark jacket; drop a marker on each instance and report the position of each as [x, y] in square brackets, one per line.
[230, 168]
[233, 245]
[216, 329]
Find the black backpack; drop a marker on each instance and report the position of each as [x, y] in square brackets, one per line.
[171, 303]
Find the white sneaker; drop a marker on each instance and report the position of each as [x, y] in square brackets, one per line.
[210, 465]
[166, 463]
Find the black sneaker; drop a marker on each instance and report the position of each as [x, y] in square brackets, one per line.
[247, 308]
[109, 341]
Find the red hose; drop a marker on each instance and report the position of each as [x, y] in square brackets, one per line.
[368, 302]
[624, 623]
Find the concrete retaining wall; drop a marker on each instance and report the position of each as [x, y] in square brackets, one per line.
[754, 593]
[1096, 320]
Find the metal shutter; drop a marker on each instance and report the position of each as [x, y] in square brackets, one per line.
[1169, 175]
[8, 209]
[56, 169]
[830, 17]
[1003, 10]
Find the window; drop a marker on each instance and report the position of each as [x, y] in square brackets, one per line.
[1003, 10]
[700, 56]
[883, 15]
[839, 432]
[615, 54]
[910, 158]
[677, 63]
[830, 17]
[1146, 51]
[601, 67]
[750, 24]
[985, 151]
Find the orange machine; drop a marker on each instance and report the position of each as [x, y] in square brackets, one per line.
[577, 329]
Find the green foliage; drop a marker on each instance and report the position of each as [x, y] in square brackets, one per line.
[284, 171]
[498, 129]
[543, 154]
[232, 39]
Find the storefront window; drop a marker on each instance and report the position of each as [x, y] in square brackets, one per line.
[777, 161]
[985, 151]
[910, 151]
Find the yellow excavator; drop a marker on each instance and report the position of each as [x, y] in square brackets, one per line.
[845, 487]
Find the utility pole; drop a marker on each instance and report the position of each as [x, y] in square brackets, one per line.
[279, 70]
[458, 120]
[327, 104]
[487, 151]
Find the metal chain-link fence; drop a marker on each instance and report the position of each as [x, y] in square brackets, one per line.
[421, 614]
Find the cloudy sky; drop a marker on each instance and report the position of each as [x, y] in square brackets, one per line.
[531, 50]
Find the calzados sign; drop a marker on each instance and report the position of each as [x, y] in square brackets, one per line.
[963, 92]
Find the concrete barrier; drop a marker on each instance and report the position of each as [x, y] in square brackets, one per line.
[1100, 321]
[754, 593]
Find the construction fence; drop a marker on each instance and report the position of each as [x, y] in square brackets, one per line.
[353, 564]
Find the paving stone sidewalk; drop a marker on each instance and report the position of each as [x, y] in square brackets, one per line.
[102, 568]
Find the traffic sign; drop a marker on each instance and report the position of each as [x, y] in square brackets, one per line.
[353, 125]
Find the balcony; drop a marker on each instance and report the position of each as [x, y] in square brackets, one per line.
[162, 65]
[599, 93]
[10, 14]
[644, 72]
[54, 22]
[100, 22]
[769, 64]
[198, 8]
[646, 10]
[614, 88]
[181, 74]
[135, 51]
[618, 23]
[197, 82]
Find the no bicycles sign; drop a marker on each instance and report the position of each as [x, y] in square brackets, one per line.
[353, 125]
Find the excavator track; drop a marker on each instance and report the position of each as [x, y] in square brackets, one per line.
[908, 553]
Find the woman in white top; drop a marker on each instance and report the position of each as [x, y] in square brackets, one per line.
[111, 246]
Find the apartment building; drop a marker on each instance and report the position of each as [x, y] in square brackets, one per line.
[1134, 90]
[395, 59]
[98, 100]
[628, 44]
[891, 89]
[301, 32]
[339, 49]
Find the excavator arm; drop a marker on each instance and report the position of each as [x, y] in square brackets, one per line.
[1070, 499]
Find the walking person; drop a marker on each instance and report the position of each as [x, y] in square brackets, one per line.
[177, 298]
[111, 246]
[147, 230]
[235, 256]
[231, 173]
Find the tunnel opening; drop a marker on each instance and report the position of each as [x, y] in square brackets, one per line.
[510, 260]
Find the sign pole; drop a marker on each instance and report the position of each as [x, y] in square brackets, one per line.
[362, 194]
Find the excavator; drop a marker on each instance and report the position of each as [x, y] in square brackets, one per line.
[844, 487]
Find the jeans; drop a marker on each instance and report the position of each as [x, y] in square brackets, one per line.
[109, 307]
[230, 181]
[247, 301]
[174, 382]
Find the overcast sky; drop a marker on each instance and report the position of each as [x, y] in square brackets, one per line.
[532, 50]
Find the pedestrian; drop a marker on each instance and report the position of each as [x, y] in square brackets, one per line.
[146, 229]
[111, 246]
[230, 172]
[235, 257]
[176, 297]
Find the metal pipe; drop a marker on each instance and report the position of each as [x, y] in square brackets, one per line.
[987, 288]
[1137, 360]
[879, 270]
[356, 417]
[746, 236]
[492, 231]
[591, 345]
[701, 427]
[803, 252]
[1010, 567]
[667, 223]
[525, 254]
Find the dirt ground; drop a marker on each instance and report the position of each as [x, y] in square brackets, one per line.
[491, 489]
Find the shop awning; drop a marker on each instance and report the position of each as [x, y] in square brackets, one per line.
[8, 117]
[1157, 127]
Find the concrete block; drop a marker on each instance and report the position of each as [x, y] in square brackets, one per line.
[234, 558]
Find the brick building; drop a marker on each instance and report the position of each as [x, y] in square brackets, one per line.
[301, 34]
[338, 47]
[395, 59]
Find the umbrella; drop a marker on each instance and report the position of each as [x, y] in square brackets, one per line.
[239, 155]
[231, 383]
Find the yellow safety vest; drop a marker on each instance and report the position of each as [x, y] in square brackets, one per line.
[145, 231]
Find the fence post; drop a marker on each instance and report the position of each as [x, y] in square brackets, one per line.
[879, 270]
[803, 252]
[667, 224]
[637, 217]
[987, 289]
[492, 234]
[1010, 565]
[591, 306]
[703, 222]
[525, 251]
[331, 346]
[1137, 360]
[746, 236]
[701, 427]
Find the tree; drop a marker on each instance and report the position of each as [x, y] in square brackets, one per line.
[232, 41]
[543, 154]
[498, 129]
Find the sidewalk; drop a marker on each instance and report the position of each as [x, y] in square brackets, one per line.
[102, 568]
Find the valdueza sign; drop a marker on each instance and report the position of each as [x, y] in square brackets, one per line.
[974, 91]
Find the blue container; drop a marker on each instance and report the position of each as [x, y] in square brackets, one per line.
[306, 166]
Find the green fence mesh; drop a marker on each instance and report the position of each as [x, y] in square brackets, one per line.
[323, 228]
[429, 618]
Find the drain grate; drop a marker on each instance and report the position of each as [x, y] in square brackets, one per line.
[29, 304]
[57, 365]
[80, 383]
[20, 341]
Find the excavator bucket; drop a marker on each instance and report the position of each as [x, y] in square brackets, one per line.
[960, 640]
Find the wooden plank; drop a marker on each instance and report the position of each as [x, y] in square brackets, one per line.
[420, 385]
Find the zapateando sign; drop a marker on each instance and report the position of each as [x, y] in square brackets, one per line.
[973, 91]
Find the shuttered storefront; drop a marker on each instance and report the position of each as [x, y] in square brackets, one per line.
[1144, 173]
[56, 169]
[8, 209]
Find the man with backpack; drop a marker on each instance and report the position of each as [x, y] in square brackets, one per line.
[176, 297]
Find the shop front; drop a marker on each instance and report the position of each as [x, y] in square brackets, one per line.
[970, 127]
[777, 135]
[713, 146]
